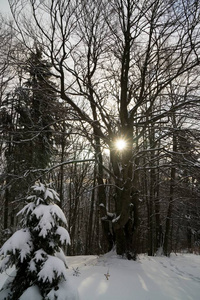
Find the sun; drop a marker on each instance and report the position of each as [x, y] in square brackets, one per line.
[120, 144]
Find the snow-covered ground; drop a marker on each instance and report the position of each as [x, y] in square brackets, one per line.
[157, 278]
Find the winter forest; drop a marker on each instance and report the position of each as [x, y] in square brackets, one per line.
[100, 100]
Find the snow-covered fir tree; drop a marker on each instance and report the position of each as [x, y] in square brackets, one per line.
[36, 251]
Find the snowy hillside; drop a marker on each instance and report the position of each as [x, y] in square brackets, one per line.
[157, 278]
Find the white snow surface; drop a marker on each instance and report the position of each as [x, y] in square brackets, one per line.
[157, 278]
[65, 292]
[32, 293]
[148, 278]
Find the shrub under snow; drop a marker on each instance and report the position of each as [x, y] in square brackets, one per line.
[35, 250]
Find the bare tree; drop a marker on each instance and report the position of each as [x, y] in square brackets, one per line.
[113, 62]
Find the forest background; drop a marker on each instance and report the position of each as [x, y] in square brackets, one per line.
[77, 76]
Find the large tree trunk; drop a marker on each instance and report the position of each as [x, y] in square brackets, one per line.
[126, 223]
[126, 199]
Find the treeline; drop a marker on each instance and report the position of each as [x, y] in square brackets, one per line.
[76, 76]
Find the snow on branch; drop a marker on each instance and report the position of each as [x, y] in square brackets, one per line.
[47, 216]
[64, 235]
[20, 242]
[47, 170]
[52, 267]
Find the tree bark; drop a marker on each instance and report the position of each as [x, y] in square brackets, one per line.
[166, 249]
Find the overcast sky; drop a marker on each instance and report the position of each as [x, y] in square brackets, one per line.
[4, 7]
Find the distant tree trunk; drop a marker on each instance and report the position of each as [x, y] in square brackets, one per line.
[158, 225]
[189, 237]
[151, 211]
[159, 230]
[6, 204]
[10, 170]
[166, 249]
[90, 224]
[155, 227]
[61, 190]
